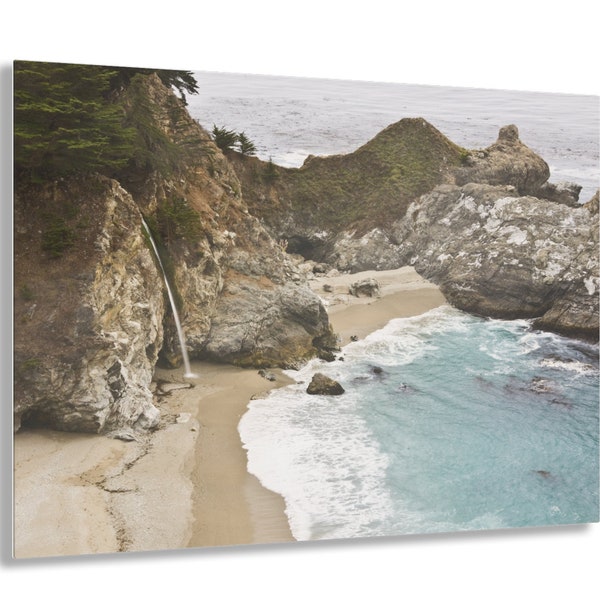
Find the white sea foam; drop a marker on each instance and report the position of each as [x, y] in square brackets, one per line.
[573, 366]
[321, 458]
[318, 453]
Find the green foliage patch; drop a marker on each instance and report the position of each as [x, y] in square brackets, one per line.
[228, 140]
[57, 237]
[177, 219]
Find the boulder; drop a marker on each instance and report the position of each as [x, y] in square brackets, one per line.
[260, 324]
[506, 162]
[563, 192]
[372, 251]
[325, 386]
[365, 287]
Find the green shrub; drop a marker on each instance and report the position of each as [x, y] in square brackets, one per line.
[57, 237]
[270, 173]
[177, 219]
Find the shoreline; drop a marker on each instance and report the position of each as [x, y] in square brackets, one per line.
[402, 293]
[187, 484]
[230, 506]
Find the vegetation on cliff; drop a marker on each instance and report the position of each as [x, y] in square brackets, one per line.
[361, 190]
[73, 119]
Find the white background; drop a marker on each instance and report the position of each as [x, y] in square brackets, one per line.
[541, 46]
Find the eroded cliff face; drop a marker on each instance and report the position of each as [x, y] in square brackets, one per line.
[243, 300]
[329, 196]
[509, 256]
[88, 309]
[91, 315]
[341, 209]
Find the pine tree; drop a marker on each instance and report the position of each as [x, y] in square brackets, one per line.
[71, 118]
[225, 139]
[246, 146]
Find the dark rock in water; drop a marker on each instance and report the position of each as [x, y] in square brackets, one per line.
[541, 386]
[326, 355]
[365, 287]
[323, 385]
[377, 370]
[327, 288]
[559, 402]
[406, 389]
[354, 338]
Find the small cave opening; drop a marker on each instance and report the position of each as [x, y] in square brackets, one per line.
[309, 248]
[33, 419]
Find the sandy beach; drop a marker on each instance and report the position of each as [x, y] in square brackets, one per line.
[185, 485]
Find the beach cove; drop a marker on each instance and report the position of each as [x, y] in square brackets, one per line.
[185, 485]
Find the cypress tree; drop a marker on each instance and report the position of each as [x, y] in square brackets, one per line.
[246, 146]
[64, 121]
[71, 118]
[225, 139]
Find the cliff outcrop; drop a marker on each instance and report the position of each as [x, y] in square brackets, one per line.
[340, 209]
[354, 193]
[88, 308]
[91, 315]
[509, 256]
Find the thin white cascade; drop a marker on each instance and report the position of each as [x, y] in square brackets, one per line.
[186, 360]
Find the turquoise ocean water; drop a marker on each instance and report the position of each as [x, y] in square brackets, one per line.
[473, 423]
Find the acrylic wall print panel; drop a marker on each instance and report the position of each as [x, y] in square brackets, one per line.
[256, 309]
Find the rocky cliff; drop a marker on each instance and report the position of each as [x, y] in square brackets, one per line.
[88, 308]
[355, 193]
[509, 256]
[91, 316]
[486, 225]
[340, 209]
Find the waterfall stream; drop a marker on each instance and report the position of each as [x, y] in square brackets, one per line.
[186, 360]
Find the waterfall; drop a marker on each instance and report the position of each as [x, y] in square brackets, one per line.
[184, 353]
